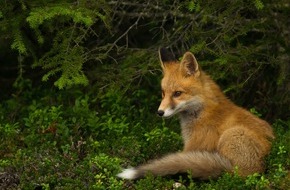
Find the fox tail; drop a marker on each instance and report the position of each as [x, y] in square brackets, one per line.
[200, 164]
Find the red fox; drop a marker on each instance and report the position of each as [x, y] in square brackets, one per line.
[217, 135]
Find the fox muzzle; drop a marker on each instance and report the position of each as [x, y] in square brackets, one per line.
[160, 113]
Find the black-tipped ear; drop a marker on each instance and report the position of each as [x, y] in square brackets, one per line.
[189, 65]
[165, 55]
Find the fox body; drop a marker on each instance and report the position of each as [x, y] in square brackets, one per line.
[218, 135]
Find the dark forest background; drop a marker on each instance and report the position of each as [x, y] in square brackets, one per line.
[244, 45]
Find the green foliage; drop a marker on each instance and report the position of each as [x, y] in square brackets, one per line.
[60, 30]
[193, 6]
[106, 166]
[66, 55]
[153, 183]
[258, 181]
[255, 112]
[18, 43]
[68, 61]
[78, 16]
[170, 139]
[8, 131]
[76, 43]
[80, 138]
[258, 4]
[76, 141]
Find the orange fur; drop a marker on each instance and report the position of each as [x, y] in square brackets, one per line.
[217, 134]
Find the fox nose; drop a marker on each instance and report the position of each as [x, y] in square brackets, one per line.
[160, 113]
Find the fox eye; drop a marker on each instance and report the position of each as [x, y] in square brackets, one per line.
[163, 93]
[177, 94]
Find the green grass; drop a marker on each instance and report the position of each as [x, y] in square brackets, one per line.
[77, 141]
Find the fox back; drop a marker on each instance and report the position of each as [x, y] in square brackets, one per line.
[217, 134]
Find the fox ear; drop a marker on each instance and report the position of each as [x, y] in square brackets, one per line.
[165, 56]
[189, 65]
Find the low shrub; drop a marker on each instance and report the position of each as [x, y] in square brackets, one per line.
[83, 141]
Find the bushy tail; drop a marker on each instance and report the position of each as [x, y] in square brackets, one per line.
[201, 165]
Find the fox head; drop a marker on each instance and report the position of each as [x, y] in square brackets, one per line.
[181, 84]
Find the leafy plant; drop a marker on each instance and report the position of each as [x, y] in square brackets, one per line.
[106, 170]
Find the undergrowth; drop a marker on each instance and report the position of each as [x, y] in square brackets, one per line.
[73, 140]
